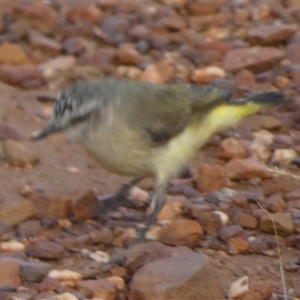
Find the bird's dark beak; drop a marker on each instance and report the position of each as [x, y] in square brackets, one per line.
[51, 128]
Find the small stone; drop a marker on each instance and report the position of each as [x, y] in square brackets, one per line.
[239, 244]
[67, 296]
[11, 53]
[46, 250]
[232, 148]
[100, 288]
[27, 76]
[99, 256]
[210, 222]
[29, 228]
[237, 169]
[86, 207]
[259, 291]
[181, 232]
[259, 151]
[60, 207]
[185, 275]
[291, 267]
[18, 213]
[142, 254]
[170, 211]
[59, 63]
[270, 34]
[239, 287]
[211, 177]
[275, 203]
[258, 245]
[41, 16]
[282, 221]
[230, 231]
[85, 13]
[245, 220]
[159, 72]
[11, 246]
[48, 284]
[283, 156]
[126, 54]
[67, 277]
[74, 45]
[207, 74]
[47, 45]
[264, 136]
[255, 59]
[293, 52]
[203, 8]
[19, 155]
[34, 271]
[244, 79]
[118, 282]
[104, 236]
[9, 273]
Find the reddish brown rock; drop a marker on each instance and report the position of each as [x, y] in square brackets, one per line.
[207, 75]
[60, 207]
[259, 291]
[85, 13]
[245, 220]
[100, 288]
[48, 46]
[86, 207]
[18, 213]
[255, 59]
[104, 236]
[159, 72]
[232, 148]
[237, 169]
[211, 177]
[238, 245]
[46, 250]
[245, 79]
[24, 75]
[184, 276]
[270, 34]
[275, 203]
[126, 54]
[11, 53]
[283, 223]
[173, 22]
[40, 16]
[209, 221]
[142, 254]
[181, 232]
[9, 273]
[202, 7]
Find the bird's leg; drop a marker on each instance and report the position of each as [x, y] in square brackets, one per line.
[157, 204]
[121, 197]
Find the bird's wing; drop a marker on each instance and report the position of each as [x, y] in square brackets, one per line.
[161, 112]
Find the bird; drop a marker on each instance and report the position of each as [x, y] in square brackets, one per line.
[144, 129]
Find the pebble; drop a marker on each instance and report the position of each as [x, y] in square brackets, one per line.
[67, 277]
[12, 54]
[255, 59]
[7, 132]
[237, 169]
[10, 273]
[46, 250]
[232, 148]
[86, 207]
[184, 276]
[19, 155]
[207, 75]
[229, 231]
[211, 177]
[245, 220]
[282, 221]
[100, 288]
[32, 271]
[239, 287]
[283, 156]
[181, 232]
[11, 246]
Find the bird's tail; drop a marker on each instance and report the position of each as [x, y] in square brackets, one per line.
[226, 114]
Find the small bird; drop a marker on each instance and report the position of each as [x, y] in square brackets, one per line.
[144, 129]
